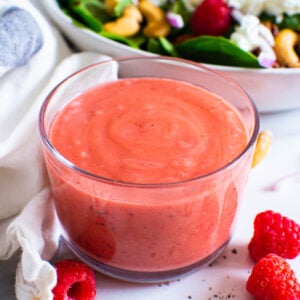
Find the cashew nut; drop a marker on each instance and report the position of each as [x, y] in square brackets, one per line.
[128, 24]
[110, 5]
[262, 147]
[285, 42]
[157, 24]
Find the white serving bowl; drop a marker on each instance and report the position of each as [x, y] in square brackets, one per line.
[272, 90]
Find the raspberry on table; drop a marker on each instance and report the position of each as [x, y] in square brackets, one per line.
[212, 17]
[274, 233]
[75, 281]
[273, 279]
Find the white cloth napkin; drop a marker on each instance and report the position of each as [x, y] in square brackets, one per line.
[27, 218]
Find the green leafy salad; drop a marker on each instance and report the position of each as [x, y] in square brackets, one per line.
[212, 31]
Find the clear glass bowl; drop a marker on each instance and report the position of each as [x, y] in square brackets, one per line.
[147, 232]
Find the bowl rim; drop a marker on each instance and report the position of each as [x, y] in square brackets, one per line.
[57, 13]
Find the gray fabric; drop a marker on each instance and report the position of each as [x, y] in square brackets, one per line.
[20, 37]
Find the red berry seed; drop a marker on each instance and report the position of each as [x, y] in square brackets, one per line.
[273, 279]
[75, 281]
[274, 233]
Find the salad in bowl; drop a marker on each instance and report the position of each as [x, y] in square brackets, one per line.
[256, 42]
[253, 33]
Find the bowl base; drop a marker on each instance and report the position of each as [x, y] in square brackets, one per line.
[140, 276]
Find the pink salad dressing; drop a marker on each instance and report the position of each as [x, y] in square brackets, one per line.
[148, 131]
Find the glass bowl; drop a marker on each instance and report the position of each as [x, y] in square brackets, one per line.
[158, 226]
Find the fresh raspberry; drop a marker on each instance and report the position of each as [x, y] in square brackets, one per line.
[212, 17]
[273, 279]
[75, 280]
[274, 233]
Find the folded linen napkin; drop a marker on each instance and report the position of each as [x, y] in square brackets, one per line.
[27, 217]
[20, 84]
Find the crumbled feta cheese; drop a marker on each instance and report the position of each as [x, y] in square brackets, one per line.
[251, 35]
[267, 56]
[246, 35]
[279, 7]
[274, 7]
[253, 7]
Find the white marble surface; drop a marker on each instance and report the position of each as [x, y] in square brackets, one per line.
[229, 272]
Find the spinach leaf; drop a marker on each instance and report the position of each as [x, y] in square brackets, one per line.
[161, 46]
[168, 47]
[179, 7]
[291, 22]
[92, 13]
[134, 42]
[120, 6]
[63, 3]
[216, 50]
[154, 46]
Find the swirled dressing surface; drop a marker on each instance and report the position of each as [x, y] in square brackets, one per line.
[148, 130]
